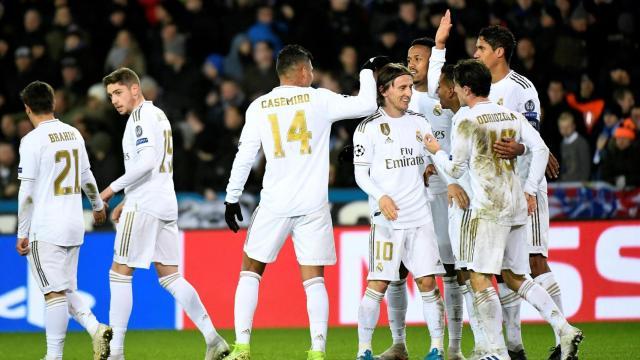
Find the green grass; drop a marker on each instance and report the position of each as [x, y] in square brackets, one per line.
[602, 341]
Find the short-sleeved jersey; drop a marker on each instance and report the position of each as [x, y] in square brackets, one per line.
[440, 121]
[393, 150]
[293, 124]
[53, 155]
[154, 194]
[517, 93]
[497, 193]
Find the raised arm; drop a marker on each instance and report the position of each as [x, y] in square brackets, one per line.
[340, 107]
[438, 55]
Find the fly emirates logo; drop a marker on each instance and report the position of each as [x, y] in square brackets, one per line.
[407, 159]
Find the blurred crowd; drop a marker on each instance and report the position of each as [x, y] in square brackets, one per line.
[204, 61]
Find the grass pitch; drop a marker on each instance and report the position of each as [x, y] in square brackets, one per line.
[602, 341]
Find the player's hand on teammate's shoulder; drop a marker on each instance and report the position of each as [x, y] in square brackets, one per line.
[456, 193]
[231, 212]
[553, 167]
[431, 143]
[100, 216]
[508, 148]
[388, 207]
[22, 246]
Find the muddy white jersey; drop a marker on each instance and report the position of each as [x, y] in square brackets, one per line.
[393, 150]
[154, 193]
[293, 125]
[53, 156]
[497, 192]
[517, 93]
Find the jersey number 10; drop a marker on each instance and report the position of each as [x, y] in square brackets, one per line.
[297, 132]
[58, 189]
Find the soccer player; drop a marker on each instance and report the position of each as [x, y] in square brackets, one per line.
[292, 124]
[425, 58]
[149, 232]
[389, 164]
[54, 167]
[495, 46]
[497, 244]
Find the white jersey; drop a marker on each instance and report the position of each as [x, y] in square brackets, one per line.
[293, 124]
[464, 181]
[154, 193]
[393, 150]
[517, 93]
[497, 193]
[53, 156]
[440, 121]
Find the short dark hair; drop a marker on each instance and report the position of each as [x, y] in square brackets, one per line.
[38, 96]
[386, 75]
[124, 76]
[447, 72]
[475, 75]
[291, 55]
[499, 37]
[424, 41]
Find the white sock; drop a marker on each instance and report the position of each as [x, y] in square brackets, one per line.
[511, 314]
[246, 302]
[368, 314]
[318, 310]
[490, 318]
[453, 303]
[548, 282]
[119, 309]
[397, 310]
[478, 334]
[56, 320]
[81, 312]
[188, 298]
[433, 311]
[540, 299]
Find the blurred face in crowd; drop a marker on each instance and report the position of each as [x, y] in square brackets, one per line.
[566, 126]
[349, 57]
[486, 54]
[23, 63]
[8, 126]
[265, 15]
[62, 16]
[232, 118]
[339, 5]
[31, 21]
[418, 63]
[262, 54]
[123, 98]
[555, 92]
[408, 12]
[24, 127]
[635, 115]
[610, 119]
[627, 102]
[586, 87]
[623, 143]
[7, 155]
[398, 95]
[525, 49]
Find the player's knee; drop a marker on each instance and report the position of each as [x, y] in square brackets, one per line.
[54, 294]
[538, 264]
[426, 283]
[122, 269]
[512, 280]
[378, 285]
[249, 264]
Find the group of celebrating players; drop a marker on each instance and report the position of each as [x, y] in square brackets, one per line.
[448, 155]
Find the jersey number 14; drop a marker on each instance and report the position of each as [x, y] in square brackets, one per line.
[297, 132]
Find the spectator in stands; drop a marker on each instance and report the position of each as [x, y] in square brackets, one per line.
[407, 23]
[54, 38]
[620, 161]
[526, 62]
[105, 164]
[387, 43]
[610, 122]
[574, 151]
[261, 77]
[8, 171]
[73, 80]
[635, 115]
[32, 28]
[554, 106]
[17, 80]
[349, 69]
[625, 101]
[267, 29]
[588, 103]
[125, 52]
[9, 130]
[238, 58]
[178, 79]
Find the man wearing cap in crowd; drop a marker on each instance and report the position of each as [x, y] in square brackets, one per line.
[620, 161]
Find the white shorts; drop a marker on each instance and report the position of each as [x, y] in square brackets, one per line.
[440, 214]
[54, 267]
[416, 248]
[312, 237]
[538, 226]
[492, 248]
[142, 239]
[459, 221]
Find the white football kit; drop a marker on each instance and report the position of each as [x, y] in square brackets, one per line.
[499, 209]
[390, 159]
[293, 125]
[517, 93]
[147, 230]
[54, 168]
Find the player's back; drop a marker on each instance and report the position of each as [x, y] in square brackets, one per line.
[53, 155]
[154, 193]
[294, 125]
[497, 193]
